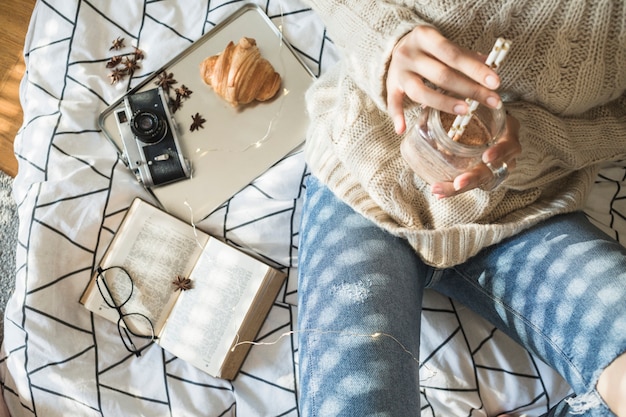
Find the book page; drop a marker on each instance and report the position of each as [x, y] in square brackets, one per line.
[205, 321]
[154, 248]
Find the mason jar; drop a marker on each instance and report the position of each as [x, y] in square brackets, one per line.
[437, 156]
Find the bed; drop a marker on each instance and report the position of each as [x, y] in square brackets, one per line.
[58, 359]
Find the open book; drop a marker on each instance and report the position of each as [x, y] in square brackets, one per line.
[144, 278]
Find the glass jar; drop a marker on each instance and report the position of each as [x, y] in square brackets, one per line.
[435, 156]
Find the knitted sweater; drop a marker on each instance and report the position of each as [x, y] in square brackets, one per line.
[564, 79]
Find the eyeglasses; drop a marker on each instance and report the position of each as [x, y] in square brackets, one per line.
[116, 287]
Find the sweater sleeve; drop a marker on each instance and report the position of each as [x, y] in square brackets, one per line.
[554, 146]
[366, 32]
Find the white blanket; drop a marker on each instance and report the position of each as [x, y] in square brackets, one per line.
[60, 360]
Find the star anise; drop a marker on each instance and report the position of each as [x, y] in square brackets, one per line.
[165, 80]
[131, 65]
[175, 104]
[117, 74]
[198, 122]
[117, 44]
[138, 54]
[182, 284]
[183, 91]
[114, 61]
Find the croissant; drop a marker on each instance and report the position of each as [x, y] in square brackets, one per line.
[239, 74]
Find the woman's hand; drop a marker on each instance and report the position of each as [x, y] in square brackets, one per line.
[504, 151]
[425, 55]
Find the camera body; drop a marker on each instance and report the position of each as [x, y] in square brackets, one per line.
[151, 147]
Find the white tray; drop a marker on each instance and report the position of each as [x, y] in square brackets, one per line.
[236, 145]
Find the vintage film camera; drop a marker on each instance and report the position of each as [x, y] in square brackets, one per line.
[151, 147]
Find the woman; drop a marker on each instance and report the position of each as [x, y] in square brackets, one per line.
[374, 234]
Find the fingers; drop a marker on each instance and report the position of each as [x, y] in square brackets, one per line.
[453, 56]
[503, 152]
[508, 145]
[480, 176]
[425, 55]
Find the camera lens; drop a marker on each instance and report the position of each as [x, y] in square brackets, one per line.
[148, 127]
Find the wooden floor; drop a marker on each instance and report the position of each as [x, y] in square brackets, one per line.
[14, 18]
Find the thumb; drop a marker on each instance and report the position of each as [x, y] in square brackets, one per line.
[396, 111]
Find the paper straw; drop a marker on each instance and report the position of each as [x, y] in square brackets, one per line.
[494, 59]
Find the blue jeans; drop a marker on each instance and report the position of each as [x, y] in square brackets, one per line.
[559, 289]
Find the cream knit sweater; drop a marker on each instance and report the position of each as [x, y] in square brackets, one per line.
[564, 80]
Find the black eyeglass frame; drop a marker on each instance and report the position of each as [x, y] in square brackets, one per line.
[123, 328]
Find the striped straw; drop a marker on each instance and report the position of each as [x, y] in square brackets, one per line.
[494, 59]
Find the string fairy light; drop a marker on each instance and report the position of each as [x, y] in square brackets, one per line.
[375, 335]
[193, 224]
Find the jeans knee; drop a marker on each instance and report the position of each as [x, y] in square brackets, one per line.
[582, 404]
[612, 386]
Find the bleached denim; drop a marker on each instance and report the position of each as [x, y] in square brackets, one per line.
[558, 289]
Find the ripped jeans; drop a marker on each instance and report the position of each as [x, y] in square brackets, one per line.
[559, 289]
